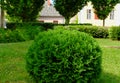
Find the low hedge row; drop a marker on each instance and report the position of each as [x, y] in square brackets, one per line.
[114, 33]
[96, 32]
[7, 36]
[19, 34]
[45, 25]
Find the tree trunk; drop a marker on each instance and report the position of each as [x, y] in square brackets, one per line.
[2, 17]
[103, 22]
[67, 20]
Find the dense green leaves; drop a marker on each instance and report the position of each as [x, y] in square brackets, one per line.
[114, 33]
[95, 31]
[69, 8]
[23, 10]
[22, 33]
[64, 56]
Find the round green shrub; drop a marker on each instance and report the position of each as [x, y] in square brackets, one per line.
[64, 56]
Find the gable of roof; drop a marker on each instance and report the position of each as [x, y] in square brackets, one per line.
[49, 10]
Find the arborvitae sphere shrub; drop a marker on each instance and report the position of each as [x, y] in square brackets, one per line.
[64, 56]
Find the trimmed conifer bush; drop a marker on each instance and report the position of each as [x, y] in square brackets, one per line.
[64, 56]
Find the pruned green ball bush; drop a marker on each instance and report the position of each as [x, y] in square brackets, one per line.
[64, 56]
[114, 33]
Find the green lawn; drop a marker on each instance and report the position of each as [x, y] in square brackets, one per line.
[12, 63]
[110, 61]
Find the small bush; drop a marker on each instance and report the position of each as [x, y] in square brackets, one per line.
[23, 33]
[114, 33]
[30, 32]
[2, 32]
[16, 36]
[64, 56]
[8, 36]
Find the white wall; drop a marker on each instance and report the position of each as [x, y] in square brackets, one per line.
[60, 20]
[82, 17]
[117, 14]
[74, 19]
[51, 19]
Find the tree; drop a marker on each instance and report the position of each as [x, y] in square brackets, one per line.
[24, 10]
[69, 8]
[2, 14]
[103, 8]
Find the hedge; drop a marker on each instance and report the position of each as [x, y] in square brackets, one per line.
[114, 33]
[96, 32]
[19, 34]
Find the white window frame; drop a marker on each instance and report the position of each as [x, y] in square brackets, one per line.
[89, 12]
[112, 14]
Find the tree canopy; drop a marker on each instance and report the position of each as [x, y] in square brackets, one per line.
[69, 8]
[103, 8]
[24, 10]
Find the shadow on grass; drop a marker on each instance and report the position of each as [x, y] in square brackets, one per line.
[105, 78]
[108, 78]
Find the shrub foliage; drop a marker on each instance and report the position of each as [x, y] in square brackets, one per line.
[96, 32]
[114, 33]
[19, 34]
[64, 56]
[7, 36]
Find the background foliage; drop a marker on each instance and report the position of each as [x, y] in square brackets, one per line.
[23, 10]
[103, 8]
[19, 34]
[95, 31]
[114, 33]
[69, 8]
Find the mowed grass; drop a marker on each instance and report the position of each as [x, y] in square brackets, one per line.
[12, 62]
[110, 61]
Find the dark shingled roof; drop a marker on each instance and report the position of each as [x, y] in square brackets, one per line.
[49, 10]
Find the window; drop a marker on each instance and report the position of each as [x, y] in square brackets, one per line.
[88, 13]
[55, 22]
[112, 15]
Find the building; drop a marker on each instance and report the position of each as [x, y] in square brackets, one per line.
[87, 15]
[49, 14]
